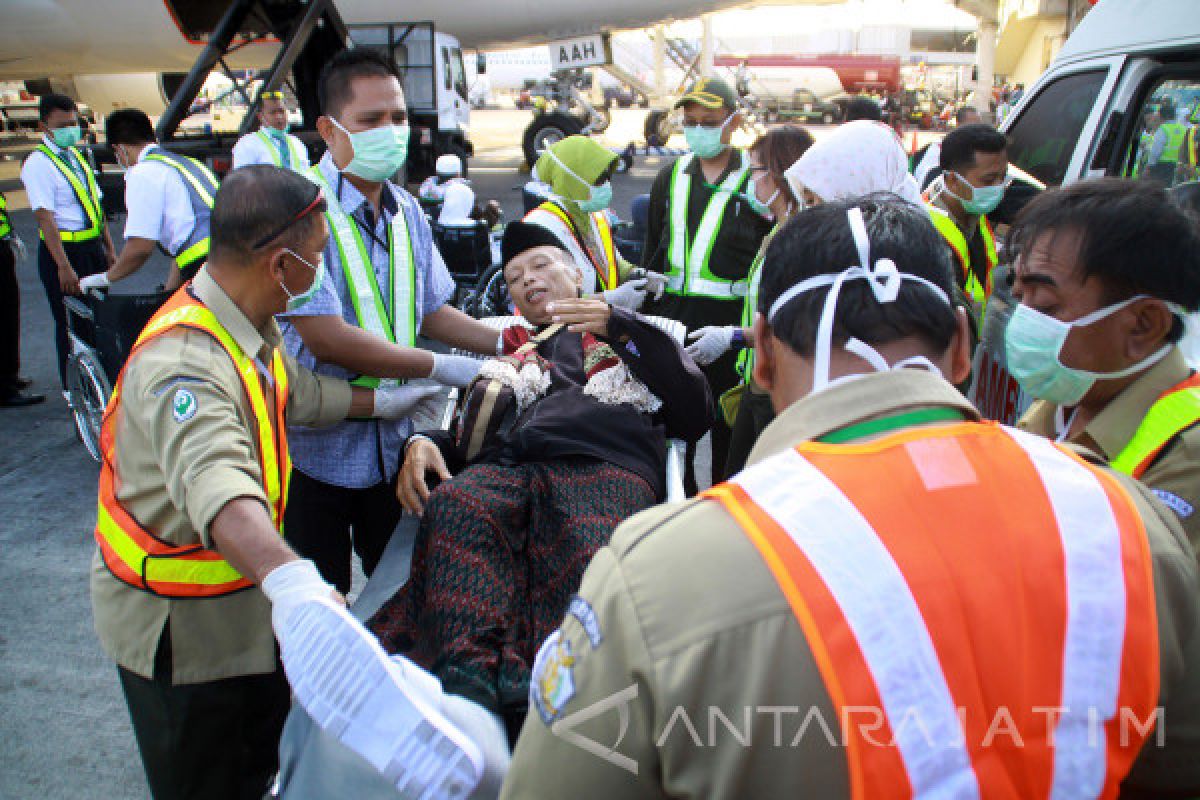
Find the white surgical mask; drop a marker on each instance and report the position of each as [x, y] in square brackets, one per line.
[1033, 342]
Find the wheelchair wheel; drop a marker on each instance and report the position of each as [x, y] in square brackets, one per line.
[89, 389]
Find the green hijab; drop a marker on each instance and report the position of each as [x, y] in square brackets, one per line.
[581, 155]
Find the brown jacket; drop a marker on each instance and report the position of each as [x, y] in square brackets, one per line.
[685, 674]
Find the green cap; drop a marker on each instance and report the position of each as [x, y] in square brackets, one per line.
[710, 93]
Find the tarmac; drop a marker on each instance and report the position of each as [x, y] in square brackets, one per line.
[64, 728]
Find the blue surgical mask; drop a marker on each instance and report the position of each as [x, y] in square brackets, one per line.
[296, 301]
[378, 152]
[704, 141]
[983, 199]
[1033, 342]
[279, 133]
[601, 198]
[67, 137]
[758, 206]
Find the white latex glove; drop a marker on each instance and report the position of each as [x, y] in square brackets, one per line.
[709, 343]
[456, 371]
[656, 283]
[398, 402]
[291, 584]
[94, 282]
[629, 295]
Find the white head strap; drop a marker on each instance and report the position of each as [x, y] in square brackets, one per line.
[885, 279]
[569, 171]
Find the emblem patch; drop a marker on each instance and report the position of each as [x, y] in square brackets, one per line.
[183, 405]
[582, 610]
[1174, 502]
[553, 683]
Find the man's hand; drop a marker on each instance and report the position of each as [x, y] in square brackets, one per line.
[710, 343]
[420, 458]
[68, 281]
[630, 294]
[582, 315]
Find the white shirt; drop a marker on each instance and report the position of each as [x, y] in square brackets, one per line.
[251, 149]
[49, 189]
[933, 155]
[158, 204]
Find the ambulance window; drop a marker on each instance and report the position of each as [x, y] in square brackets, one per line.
[1161, 149]
[1043, 138]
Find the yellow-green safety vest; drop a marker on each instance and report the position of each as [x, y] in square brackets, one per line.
[745, 360]
[369, 307]
[88, 195]
[201, 185]
[295, 150]
[1174, 412]
[946, 226]
[5, 222]
[687, 258]
[1175, 132]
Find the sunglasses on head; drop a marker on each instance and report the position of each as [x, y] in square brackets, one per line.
[317, 203]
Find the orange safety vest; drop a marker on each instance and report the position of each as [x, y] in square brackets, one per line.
[1174, 412]
[132, 552]
[605, 263]
[942, 615]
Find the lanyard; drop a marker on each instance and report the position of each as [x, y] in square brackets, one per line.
[890, 423]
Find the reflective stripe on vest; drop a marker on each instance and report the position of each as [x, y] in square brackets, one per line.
[134, 554]
[5, 222]
[369, 308]
[1191, 147]
[958, 243]
[1174, 412]
[201, 185]
[687, 258]
[745, 359]
[298, 158]
[88, 196]
[605, 264]
[1175, 132]
[896, 592]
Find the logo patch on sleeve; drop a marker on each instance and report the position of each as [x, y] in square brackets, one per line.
[183, 405]
[553, 681]
[582, 610]
[1174, 502]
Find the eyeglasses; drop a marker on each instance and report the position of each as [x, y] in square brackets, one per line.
[318, 203]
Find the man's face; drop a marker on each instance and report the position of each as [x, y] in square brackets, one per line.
[989, 169]
[296, 275]
[1050, 279]
[60, 119]
[695, 114]
[375, 100]
[538, 277]
[273, 113]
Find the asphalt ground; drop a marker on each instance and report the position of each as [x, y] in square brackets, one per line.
[64, 729]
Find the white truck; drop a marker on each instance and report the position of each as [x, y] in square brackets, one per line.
[1084, 118]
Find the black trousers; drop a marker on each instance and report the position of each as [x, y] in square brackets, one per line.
[10, 319]
[87, 258]
[204, 741]
[722, 375]
[324, 522]
[754, 414]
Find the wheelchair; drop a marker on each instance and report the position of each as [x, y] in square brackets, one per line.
[102, 329]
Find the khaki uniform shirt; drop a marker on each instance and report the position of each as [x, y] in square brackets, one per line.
[174, 477]
[1174, 476]
[683, 627]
